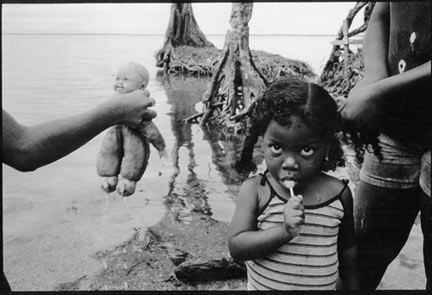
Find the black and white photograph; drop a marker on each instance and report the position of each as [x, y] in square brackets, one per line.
[216, 146]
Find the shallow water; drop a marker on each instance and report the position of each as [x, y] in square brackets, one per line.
[56, 218]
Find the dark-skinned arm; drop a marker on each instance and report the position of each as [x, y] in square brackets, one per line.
[27, 148]
[246, 242]
[369, 98]
[348, 273]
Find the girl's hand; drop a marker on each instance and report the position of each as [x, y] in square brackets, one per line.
[294, 215]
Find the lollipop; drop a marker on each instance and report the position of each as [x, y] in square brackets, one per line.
[290, 185]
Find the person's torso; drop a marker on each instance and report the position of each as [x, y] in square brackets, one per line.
[307, 262]
[409, 117]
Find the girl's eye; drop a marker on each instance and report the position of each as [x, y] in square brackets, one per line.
[274, 148]
[307, 151]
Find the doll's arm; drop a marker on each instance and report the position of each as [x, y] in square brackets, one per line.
[150, 131]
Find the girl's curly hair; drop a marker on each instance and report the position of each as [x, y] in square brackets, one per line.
[361, 140]
[312, 103]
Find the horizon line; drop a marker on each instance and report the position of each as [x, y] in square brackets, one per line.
[150, 34]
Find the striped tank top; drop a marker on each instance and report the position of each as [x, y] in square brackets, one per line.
[310, 260]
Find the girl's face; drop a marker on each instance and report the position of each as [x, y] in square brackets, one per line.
[127, 80]
[295, 153]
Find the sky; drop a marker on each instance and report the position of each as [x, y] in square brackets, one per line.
[152, 18]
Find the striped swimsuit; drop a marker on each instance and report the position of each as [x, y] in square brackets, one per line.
[310, 260]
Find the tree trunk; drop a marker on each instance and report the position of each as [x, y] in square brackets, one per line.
[236, 83]
[182, 30]
[351, 14]
[245, 164]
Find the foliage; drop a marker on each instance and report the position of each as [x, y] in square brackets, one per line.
[338, 80]
[274, 66]
[190, 60]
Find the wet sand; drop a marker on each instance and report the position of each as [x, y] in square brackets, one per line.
[110, 269]
[149, 259]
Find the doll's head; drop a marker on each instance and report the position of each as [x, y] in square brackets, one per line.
[131, 76]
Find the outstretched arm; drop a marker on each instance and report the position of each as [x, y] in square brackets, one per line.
[28, 148]
[366, 103]
[375, 49]
[375, 46]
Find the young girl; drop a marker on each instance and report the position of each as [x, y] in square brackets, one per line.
[293, 225]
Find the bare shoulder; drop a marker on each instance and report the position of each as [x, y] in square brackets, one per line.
[249, 188]
[252, 181]
[251, 191]
[333, 182]
[333, 186]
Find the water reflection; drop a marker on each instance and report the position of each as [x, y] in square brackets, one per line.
[191, 194]
[183, 93]
[226, 149]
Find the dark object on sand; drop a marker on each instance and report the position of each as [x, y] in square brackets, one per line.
[200, 270]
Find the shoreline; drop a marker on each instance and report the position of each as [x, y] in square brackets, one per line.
[147, 261]
[152, 257]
